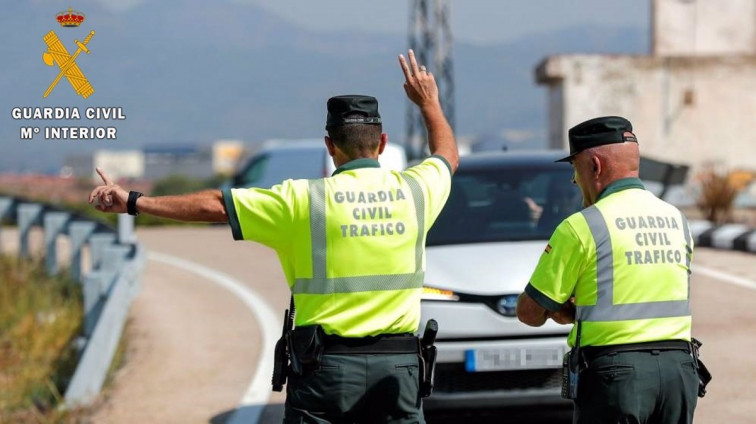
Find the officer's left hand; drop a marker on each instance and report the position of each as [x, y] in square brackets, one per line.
[420, 85]
[566, 315]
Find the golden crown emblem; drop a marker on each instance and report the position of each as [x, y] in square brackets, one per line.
[70, 18]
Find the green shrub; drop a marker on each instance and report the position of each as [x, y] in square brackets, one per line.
[180, 184]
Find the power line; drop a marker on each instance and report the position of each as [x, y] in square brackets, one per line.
[430, 36]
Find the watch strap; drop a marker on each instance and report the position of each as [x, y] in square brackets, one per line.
[131, 208]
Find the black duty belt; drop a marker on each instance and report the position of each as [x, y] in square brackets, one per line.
[387, 343]
[592, 352]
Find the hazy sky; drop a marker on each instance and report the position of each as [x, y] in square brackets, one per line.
[473, 21]
[482, 21]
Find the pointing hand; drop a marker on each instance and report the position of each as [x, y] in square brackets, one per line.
[108, 197]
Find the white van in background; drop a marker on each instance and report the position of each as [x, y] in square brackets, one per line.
[280, 160]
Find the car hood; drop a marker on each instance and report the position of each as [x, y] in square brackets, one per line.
[483, 268]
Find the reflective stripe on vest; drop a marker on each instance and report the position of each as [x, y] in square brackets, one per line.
[320, 284]
[688, 248]
[604, 310]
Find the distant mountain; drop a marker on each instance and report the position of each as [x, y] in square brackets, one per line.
[226, 69]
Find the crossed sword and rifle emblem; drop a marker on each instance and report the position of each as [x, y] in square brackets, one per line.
[57, 53]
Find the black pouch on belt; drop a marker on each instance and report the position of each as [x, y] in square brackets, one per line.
[704, 376]
[571, 368]
[306, 348]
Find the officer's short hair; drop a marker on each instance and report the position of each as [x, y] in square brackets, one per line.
[356, 140]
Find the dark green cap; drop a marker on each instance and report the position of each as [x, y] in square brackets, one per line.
[340, 107]
[597, 132]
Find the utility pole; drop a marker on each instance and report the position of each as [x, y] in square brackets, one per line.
[430, 37]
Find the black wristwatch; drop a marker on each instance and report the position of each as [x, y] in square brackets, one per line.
[131, 203]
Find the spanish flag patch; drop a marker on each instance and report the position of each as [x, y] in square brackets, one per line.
[548, 249]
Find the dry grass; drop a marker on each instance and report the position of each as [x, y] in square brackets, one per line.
[39, 318]
[717, 195]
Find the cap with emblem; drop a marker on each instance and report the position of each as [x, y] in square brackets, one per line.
[597, 132]
[352, 109]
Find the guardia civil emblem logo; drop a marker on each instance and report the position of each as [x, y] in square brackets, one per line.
[57, 54]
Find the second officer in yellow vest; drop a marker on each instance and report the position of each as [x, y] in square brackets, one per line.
[620, 268]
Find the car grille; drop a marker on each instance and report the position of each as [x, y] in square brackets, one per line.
[452, 377]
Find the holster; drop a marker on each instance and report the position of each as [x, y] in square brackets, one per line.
[282, 354]
[280, 360]
[305, 345]
[704, 376]
[428, 354]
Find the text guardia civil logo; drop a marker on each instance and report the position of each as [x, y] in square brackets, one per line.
[57, 54]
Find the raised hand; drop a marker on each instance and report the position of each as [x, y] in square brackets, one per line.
[420, 85]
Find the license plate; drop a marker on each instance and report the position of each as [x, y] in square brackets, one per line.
[514, 358]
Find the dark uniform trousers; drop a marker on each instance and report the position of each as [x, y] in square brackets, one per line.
[357, 388]
[649, 386]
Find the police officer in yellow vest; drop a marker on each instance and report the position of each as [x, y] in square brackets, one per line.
[620, 267]
[352, 248]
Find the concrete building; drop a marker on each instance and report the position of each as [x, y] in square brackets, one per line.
[692, 100]
[162, 160]
[159, 161]
[119, 163]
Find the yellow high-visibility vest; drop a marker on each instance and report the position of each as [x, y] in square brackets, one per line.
[626, 259]
[351, 245]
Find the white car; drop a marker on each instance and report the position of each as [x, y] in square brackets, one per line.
[282, 159]
[481, 252]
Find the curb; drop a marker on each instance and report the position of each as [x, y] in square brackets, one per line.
[728, 236]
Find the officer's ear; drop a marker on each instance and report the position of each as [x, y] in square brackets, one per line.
[330, 146]
[596, 166]
[382, 144]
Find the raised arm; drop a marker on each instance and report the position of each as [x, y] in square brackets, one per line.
[202, 206]
[421, 88]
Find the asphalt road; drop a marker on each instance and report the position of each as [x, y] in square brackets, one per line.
[197, 387]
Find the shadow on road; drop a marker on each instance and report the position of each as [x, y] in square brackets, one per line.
[268, 414]
[532, 415]
[273, 414]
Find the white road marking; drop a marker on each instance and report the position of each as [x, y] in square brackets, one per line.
[256, 397]
[723, 276]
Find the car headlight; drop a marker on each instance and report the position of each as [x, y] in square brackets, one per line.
[432, 293]
[507, 305]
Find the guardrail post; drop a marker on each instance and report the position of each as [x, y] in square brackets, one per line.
[54, 224]
[79, 231]
[6, 203]
[97, 243]
[28, 215]
[126, 233]
[114, 256]
[130, 273]
[113, 259]
[93, 299]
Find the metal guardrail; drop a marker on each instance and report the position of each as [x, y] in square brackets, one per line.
[108, 288]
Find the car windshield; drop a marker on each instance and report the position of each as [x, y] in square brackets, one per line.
[274, 167]
[509, 204]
